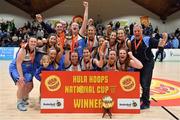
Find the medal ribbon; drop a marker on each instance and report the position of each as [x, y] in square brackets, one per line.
[74, 40]
[61, 39]
[137, 45]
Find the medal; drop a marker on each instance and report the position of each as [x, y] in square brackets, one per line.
[138, 44]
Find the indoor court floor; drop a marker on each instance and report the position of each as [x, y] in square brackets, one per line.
[8, 111]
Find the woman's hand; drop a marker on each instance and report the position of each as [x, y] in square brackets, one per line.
[21, 81]
[39, 18]
[85, 4]
[130, 54]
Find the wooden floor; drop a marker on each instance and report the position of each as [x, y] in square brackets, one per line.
[8, 111]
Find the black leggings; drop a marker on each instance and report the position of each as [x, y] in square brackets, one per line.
[160, 51]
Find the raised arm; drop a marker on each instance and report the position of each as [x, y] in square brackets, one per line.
[47, 27]
[100, 62]
[85, 20]
[67, 61]
[104, 46]
[60, 54]
[134, 62]
[161, 42]
[128, 44]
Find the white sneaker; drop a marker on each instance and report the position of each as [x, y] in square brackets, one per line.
[21, 106]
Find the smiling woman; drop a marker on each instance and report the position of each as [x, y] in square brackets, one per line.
[78, 47]
[126, 61]
[21, 70]
[7, 99]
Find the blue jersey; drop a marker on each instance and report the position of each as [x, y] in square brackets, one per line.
[61, 63]
[27, 67]
[39, 53]
[41, 68]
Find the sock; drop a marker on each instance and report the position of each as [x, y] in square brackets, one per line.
[19, 101]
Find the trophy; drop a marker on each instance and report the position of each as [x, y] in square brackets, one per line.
[67, 45]
[107, 104]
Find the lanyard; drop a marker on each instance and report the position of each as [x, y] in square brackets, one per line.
[61, 39]
[87, 65]
[90, 46]
[111, 67]
[74, 40]
[137, 45]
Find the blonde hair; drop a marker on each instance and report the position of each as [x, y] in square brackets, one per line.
[45, 57]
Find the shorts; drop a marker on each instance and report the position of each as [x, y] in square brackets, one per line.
[15, 76]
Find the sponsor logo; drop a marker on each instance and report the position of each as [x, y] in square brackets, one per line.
[52, 103]
[6, 53]
[53, 83]
[127, 83]
[128, 103]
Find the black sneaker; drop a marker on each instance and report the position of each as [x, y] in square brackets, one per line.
[144, 106]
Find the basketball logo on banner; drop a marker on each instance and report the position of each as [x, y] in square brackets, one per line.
[127, 83]
[82, 92]
[53, 83]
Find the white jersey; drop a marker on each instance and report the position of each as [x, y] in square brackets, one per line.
[73, 68]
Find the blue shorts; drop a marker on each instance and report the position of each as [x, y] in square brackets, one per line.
[15, 76]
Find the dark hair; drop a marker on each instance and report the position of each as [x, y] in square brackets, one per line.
[52, 34]
[70, 53]
[86, 48]
[117, 25]
[27, 45]
[110, 51]
[127, 60]
[110, 23]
